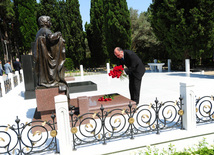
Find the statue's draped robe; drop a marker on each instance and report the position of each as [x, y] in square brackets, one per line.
[50, 58]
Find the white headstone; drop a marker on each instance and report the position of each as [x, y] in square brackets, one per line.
[169, 65]
[81, 71]
[108, 68]
[187, 65]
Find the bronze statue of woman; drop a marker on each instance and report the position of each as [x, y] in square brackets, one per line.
[49, 54]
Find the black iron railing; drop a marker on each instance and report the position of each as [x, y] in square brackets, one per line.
[15, 81]
[102, 126]
[28, 138]
[7, 85]
[204, 109]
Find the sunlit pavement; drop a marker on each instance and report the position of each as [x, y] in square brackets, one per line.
[164, 86]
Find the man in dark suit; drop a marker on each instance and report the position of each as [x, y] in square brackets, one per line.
[17, 65]
[135, 70]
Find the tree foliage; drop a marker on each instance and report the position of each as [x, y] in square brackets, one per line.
[75, 38]
[96, 34]
[117, 25]
[6, 24]
[50, 8]
[186, 28]
[27, 23]
[144, 42]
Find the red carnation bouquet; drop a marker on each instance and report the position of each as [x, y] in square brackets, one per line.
[106, 98]
[117, 72]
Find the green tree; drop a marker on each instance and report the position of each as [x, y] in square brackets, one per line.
[7, 16]
[117, 26]
[62, 21]
[186, 28]
[50, 8]
[144, 42]
[27, 23]
[96, 34]
[74, 37]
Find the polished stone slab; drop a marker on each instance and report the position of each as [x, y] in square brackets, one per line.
[69, 78]
[45, 98]
[90, 104]
[84, 86]
[29, 76]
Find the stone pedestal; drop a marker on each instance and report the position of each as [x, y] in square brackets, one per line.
[188, 95]
[45, 100]
[63, 124]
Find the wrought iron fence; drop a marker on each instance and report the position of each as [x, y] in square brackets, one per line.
[15, 81]
[7, 85]
[0, 90]
[28, 138]
[104, 125]
[205, 109]
[20, 77]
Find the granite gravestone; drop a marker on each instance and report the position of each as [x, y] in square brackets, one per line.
[29, 76]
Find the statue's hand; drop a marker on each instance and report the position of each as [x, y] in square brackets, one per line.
[54, 36]
[59, 34]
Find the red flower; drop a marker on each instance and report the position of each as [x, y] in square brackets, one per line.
[106, 98]
[117, 72]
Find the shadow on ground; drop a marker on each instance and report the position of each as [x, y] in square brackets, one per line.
[192, 75]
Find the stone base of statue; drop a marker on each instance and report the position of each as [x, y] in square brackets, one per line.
[45, 101]
[45, 97]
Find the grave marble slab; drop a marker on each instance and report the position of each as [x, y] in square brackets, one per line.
[84, 86]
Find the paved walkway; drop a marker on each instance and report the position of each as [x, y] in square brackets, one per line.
[165, 86]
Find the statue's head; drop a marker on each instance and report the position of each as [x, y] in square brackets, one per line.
[44, 21]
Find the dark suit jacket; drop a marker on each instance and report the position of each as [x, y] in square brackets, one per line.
[17, 66]
[133, 63]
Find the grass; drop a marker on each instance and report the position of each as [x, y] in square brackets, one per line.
[88, 71]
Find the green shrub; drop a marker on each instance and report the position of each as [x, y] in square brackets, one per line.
[69, 64]
[204, 151]
[203, 148]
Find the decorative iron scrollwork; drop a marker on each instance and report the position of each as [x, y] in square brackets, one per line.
[53, 133]
[131, 120]
[74, 130]
[27, 138]
[181, 112]
[108, 124]
[204, 109]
